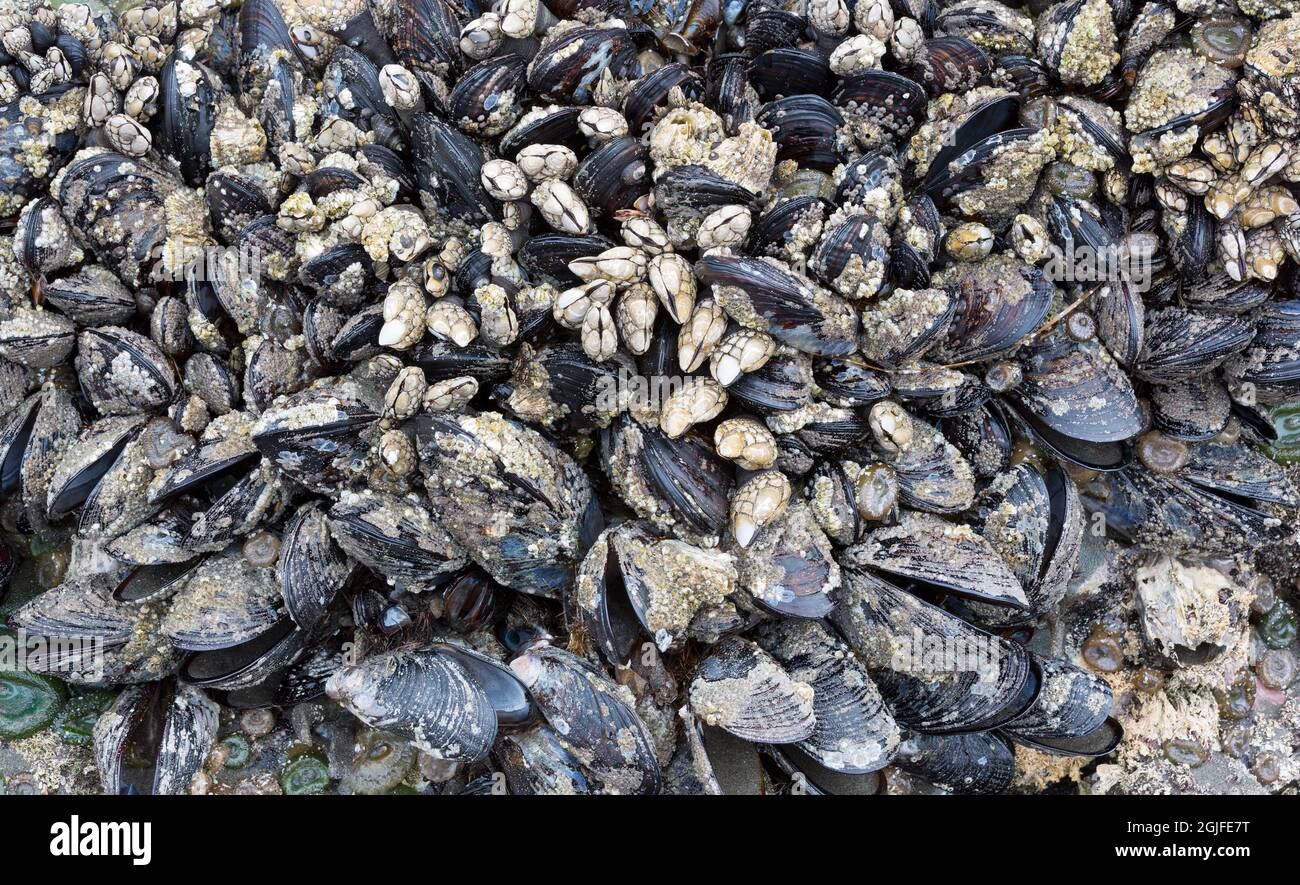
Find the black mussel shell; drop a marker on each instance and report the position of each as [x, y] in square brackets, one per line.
[784, 383]
[891, 101]
[485, 100]
[614, 176]
[567, 68]
[550, 125]
[881, 623]
[804, 128]
[186, 114]
[546, 257]
[670, 482]
[651, 92]
[982, 763]
[784, 230]
[788, 306]
[170, 726]
[425, 36]
[447, 164]
[788, 71]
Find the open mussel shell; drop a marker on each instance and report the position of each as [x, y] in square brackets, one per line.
[521, 508]
[680, 485]
[31, 446]
[396, 538]
[1072, 709]
[1092, 455]
[80, 470]
[1101, 741]
[938, 555]
[154, 581]
[790, 569]
[741, 688]
[721, 764]
[981, 763]
[510, 700]
[781, 302]
[807, 776]
[593, 719]
[425, 695]
[855, 733]
[910, 648]
[170, 726]
[1033, 517]
[633, 580]
[312, 567]
[226, 602]
[248, 664]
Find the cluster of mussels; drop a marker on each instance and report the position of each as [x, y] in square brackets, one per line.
[628, 396]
